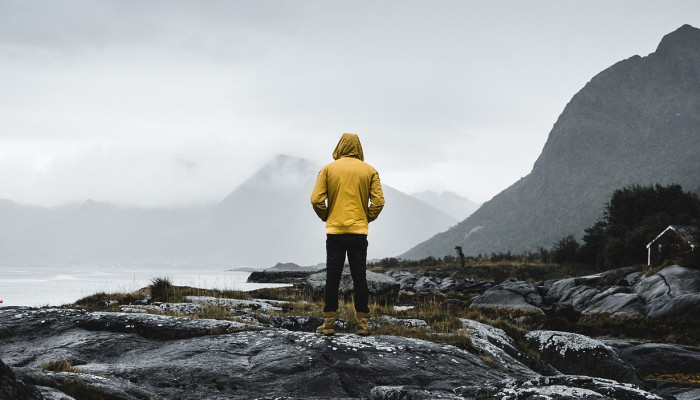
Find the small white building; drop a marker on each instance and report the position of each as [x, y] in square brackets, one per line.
[673, 240]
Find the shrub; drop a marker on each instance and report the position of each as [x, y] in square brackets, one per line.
[162, 290]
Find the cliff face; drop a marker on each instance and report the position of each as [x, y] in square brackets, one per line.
[637, 122]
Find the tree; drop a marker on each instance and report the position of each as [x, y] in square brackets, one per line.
[460, 253]
[565, 250]
[632, 218]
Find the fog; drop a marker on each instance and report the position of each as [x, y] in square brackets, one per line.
[174, 103]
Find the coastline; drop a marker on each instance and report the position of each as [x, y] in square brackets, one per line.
[57, 285]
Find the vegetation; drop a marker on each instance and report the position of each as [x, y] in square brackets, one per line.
[633, 217]
[689, 378]
[162, 290]
[495, 267]
[73, 386]
[60, 366]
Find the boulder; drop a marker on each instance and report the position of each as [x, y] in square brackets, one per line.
[382, 288]
[498, 346]
[432, 282]
[405, 279]
[683, 306]
[657, 358]
[625, 305]
[575, 354]
[425, 284]
[511, 294]
[672, 292]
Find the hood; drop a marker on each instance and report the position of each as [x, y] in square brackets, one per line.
[349, 146]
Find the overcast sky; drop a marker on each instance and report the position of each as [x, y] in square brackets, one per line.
[172, 103]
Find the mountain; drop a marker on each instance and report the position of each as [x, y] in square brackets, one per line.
[269, 218]
[449, 202]
[637, 122]
[94, 232]
[265, 220]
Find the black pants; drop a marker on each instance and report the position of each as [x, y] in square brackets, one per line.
[355, 246]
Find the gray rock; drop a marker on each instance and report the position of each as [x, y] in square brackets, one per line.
[129, 356]
[558, 289]
[405, 279]
[657, 358]
[506, 299]
[693, 394]
[409, 393]
[425, 284]
[571, 387]
[13, 388]
[405, 322]
[576, 354]
[580, 297]
[684, 306]
[280, 275]
[89, 385]
[626, 305]
[446, 284]
[430, 282]
[511, 294]
[497, 345]
[674, 292]
[299, 324]
[53, 394]
[226, 363]
[670, 293]
[382, 288]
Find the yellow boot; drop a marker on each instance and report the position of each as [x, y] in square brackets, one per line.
[362, 324]
[328, 327]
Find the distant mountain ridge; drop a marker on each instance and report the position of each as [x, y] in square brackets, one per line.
[449, 202]
[265, 220]
[637, 122]
[280, 193]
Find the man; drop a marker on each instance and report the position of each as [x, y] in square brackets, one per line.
[347, 197]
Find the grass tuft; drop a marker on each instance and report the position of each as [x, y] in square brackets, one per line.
[60, 366]
[162, 290]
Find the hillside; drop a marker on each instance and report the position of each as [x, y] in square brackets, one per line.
[266, 220]
[449, 202]
[269, 218]
[637, 122]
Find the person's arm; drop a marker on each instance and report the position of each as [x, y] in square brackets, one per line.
[376, 198]
[319, 196]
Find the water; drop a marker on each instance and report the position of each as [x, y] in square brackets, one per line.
[57, 285]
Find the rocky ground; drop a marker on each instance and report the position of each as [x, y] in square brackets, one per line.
[132, 354]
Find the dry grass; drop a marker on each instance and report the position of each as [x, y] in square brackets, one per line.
[60, 366]
[687, 378]
[677, 331]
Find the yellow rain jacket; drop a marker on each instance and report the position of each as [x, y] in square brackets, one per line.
[351, 187]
